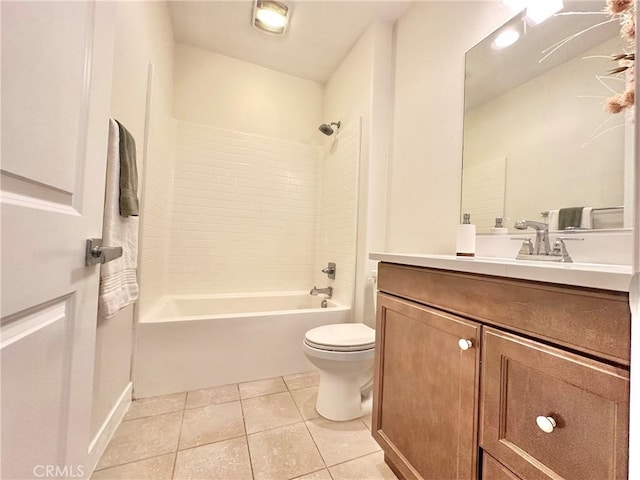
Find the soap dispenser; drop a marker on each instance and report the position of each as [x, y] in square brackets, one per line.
[499, 227]
[466, 240]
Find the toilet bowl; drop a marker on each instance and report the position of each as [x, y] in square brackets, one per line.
[344, 354]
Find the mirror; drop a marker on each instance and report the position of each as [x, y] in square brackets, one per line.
[536, 136]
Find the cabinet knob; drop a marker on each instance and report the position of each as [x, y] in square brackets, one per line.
[546, 424]
[465, 344]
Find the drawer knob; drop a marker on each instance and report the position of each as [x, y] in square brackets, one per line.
[465, 344]
[546, 424]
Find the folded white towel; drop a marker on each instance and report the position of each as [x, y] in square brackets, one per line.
[118, 283]
[552, 220]
[585, 222]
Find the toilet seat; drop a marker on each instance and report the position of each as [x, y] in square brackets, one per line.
[341, 337]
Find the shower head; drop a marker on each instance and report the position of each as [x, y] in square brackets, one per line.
[327, 129]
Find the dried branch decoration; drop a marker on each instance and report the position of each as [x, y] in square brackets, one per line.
[624, 11]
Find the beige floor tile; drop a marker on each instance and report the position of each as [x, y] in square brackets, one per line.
[156, 468]
[341, 441]
[146, 407]
[302, 380]
[217, 461]
[370, 467]
[284, 453]
[367, 420]
[142, 438]
[305, 400]
[212, 396]
[211, 424]
[262, 387]
[271, 411]
[319, 475]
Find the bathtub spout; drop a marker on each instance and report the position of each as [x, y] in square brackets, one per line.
[322, 291]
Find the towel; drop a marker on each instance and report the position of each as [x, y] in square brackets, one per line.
[552, 220]
[128, 174]
[118, 283]
[570, 217]
[586, 217]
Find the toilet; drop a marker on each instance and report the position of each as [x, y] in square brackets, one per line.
[344, 354]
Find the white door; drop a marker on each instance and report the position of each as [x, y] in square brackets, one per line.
[56, 83]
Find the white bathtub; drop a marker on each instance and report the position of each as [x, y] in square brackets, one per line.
[190, 342]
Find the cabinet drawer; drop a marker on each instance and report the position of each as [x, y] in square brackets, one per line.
[587, 400]
[494, 470]
[596, 322]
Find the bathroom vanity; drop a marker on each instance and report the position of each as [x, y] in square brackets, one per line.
[483, 371]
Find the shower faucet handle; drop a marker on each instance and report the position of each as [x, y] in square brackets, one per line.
[330, 270]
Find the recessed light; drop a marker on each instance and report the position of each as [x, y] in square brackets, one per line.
[270, 16]
[505, 38]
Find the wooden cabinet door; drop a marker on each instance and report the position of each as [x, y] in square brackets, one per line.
[426, 389]
[583, 405]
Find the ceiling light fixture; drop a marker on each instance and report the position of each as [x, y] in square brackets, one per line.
[505, 38]
[270, 16]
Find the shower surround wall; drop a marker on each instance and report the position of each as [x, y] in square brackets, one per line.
[337, 211]
[250, 213]
[243, 213]
[155, 227]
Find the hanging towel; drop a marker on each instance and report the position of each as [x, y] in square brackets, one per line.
[118, 283]
[570, 217]
[552, 220]
[128, 174]
[586, 217]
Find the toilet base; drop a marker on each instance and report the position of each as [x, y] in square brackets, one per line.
[340, 397]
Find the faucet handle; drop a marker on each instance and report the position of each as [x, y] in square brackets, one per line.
[526, 248]
[330, 270]
[560, 249]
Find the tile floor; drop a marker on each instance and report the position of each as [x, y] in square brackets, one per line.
[263, 430]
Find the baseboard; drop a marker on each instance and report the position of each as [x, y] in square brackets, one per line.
[101, 440]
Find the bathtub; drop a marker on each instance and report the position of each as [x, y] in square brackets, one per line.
[191, 342]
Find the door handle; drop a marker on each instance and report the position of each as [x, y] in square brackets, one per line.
[96, 253]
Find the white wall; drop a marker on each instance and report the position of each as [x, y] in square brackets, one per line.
[361, 87]
[243, 214]
[431, 39]
[217, 90]
[544, 148]
[143, 34]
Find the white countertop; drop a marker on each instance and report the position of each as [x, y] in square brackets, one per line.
[594, 275]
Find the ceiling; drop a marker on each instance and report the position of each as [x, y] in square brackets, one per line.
[319, 36]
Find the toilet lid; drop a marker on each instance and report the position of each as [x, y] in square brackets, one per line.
[342, 337]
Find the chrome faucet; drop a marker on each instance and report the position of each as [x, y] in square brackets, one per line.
[542, 236]
[322, 291]
[541, 250]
